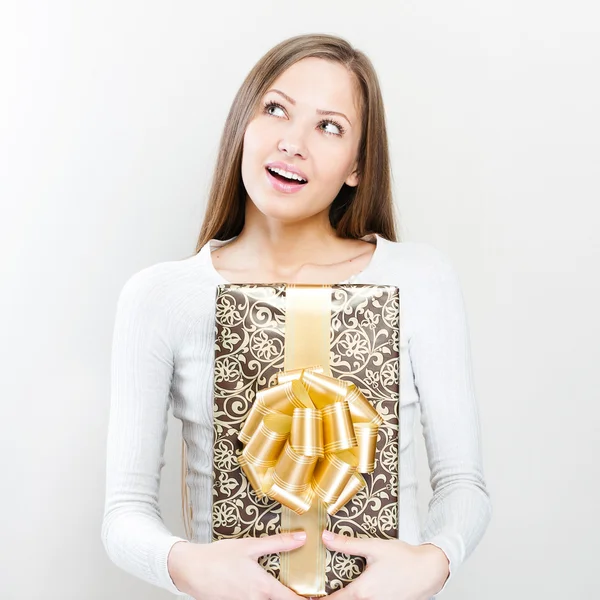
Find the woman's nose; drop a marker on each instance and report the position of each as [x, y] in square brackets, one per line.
[292, 146]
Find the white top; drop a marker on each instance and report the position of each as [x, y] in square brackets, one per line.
[162, 356]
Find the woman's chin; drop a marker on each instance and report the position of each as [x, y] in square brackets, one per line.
[280, 210]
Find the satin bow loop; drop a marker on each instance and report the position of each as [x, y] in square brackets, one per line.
[309, 435]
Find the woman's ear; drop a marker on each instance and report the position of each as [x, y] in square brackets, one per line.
[353, 179]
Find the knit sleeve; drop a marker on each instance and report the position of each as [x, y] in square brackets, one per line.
[133, 532]
[439, 348]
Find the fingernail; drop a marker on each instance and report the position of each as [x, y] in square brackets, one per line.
[327, 535]
[299, 535]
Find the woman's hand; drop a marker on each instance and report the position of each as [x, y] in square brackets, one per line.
[395, 570]
[228, 569]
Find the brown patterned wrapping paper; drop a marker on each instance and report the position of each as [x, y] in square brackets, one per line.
[250, 350]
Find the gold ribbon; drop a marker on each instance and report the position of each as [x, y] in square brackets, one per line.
[309, 435]
[308, 439]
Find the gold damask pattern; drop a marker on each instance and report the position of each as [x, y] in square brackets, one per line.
[249, 352]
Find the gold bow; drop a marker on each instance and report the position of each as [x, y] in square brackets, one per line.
[309, 435]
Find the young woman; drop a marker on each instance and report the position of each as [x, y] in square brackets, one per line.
[301, 194]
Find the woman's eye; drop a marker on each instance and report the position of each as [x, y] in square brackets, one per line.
[274, 107]
[332, 127]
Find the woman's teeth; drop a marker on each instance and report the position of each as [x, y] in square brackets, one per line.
[286, 174]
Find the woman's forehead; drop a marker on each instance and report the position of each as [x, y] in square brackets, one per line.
[316, 83]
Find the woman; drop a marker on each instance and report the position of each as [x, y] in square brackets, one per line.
[301, 194]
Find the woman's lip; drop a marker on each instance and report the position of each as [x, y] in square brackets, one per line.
[282, 186]
[286, 167]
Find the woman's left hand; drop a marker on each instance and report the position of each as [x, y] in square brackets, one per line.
[395, 570]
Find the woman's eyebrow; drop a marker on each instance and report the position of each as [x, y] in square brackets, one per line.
[319, 111]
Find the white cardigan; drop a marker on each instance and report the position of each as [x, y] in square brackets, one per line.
[162, 357]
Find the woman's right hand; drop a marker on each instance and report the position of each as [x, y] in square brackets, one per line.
[228, 569]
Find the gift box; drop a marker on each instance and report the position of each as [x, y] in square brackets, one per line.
[306, 410]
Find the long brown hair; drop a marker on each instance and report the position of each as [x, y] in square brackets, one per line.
[356, 211]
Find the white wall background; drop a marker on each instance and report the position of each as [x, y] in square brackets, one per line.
[110, 116]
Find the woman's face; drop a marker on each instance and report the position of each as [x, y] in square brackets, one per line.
[307, 123]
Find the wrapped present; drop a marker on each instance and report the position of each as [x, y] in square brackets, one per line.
[306, 409]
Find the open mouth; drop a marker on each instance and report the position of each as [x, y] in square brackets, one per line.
[286, 176]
